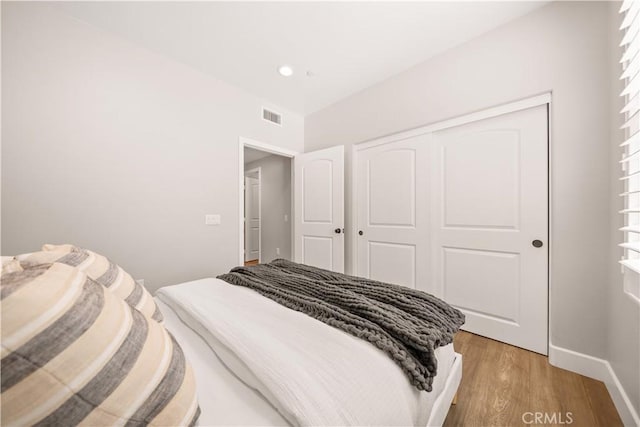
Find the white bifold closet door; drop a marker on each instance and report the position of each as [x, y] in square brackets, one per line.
[319, 208]
[463, 213]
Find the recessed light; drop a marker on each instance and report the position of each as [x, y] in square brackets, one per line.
[285, 70]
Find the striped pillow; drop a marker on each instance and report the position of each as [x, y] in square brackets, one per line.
[10, 264]
[100, 269]
[74, 353]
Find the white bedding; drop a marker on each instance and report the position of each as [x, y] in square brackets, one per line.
[224, 399]
[311, 373]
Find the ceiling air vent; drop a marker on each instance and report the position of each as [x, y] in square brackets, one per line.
[272, 116]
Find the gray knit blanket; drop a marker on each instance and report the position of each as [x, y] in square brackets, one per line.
[407, 324]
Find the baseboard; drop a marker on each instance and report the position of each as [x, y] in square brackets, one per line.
[579, 363]
[598, 369]
[623, 404]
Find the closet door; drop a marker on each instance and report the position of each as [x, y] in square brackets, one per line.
[392, 216]
[490, 225]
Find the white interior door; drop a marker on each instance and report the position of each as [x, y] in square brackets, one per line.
[392, 215]
[490, 225]
[252, 219]
[319, 208]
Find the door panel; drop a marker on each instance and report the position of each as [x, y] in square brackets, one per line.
[493, 178]
[392, 215]
[489, 202]
[392, 188]
[318, 251]
[473, 278]
[401, 256]
[317, 180]
[319, 208]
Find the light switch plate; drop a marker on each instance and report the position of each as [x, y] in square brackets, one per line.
[212, 219]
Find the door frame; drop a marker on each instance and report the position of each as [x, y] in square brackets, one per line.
[243, 143]
[499, 110]
[257, 171]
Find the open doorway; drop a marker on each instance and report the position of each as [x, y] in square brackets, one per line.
[267, 206]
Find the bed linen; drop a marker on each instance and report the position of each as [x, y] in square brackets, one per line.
[405, 323]
[224, 399]
[311, 373]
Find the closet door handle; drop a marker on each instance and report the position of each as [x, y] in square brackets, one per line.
[537, 243]
[337, 231]
[360, 232]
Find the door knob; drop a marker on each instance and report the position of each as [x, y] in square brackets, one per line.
[537, 243]
[360, 232]
[337, 231]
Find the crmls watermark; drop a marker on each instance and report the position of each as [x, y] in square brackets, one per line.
[547, 418]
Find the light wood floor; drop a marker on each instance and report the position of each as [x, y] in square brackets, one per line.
[251, 262]
[501, 382]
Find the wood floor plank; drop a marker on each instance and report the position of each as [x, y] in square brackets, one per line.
[501, 384]
[509, 385]
[542, 394]
[483, 394]
[602, 407]
[463, 414]
[570, 393]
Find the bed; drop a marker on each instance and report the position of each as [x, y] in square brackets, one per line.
[231, 393]
[84, 343]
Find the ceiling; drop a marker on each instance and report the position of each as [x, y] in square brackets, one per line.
[346, 46]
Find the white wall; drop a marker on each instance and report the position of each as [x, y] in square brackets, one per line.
[112, 147]
[561, 47]
[623, 333]
[275, 190]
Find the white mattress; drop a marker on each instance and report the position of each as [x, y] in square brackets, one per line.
[226, 400]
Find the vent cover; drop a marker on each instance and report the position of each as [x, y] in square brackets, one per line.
[272, 116]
